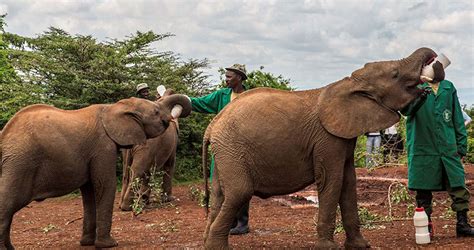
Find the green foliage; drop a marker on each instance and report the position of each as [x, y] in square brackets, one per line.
[366, 218]
[155, 184]
[259, 78]
[138, 204]
[399, 193]
[48, 228]
[13, 94]
[470, 150]
[197, 195]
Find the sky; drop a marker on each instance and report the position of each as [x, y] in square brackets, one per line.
[312, 43]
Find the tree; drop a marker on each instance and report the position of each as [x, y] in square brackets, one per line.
[14, 94]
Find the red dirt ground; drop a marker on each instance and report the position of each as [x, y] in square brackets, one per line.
[57, 223]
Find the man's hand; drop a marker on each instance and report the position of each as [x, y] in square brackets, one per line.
[425, 92]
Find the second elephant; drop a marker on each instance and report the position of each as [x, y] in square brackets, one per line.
[158, 152]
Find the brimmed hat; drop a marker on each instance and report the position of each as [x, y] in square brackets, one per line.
[240, 69]
[142, 86]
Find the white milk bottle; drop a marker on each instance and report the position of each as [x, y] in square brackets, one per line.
[420, 219]
[427, 73]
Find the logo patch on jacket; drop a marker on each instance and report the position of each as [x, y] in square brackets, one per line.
[447, 115]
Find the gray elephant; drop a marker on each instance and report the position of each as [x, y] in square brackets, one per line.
[48, 152]
[158, 152]
[272, 142]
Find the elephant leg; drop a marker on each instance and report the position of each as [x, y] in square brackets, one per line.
[138, 169]
[104, 183]
[5, 227]
[89, 221]
[10, 204]
[348, 204]
[168, 179]
[145, 190]
[126, 158]
[217, 198]
[328, 176]
[238, 190]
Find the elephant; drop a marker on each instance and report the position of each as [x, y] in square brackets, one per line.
[48, 152]
[273, 142]
[138, 161]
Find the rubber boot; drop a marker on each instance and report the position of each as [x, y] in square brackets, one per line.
[242, 225]
[463, 228]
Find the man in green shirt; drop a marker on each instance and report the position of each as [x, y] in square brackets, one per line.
[437, 141]
[143, 91]
[213, 104]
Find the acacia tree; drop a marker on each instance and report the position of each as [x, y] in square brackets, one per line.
[72, 72]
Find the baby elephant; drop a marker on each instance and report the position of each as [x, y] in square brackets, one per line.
[158, 152]
[271, 142]
[48, 152]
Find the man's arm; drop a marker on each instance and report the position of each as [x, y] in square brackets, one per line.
[411, 108]
[206, 104]
[459, 127]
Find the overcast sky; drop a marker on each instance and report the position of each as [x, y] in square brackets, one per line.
[313, 43]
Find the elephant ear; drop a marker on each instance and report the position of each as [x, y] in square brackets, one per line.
[347, 109]
[123, 124]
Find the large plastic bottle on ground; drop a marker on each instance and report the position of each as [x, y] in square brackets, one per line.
[420, 219]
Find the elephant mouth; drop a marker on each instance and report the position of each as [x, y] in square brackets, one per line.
[419, 80]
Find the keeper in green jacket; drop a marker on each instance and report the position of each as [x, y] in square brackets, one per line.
[213, 104]
[436, 141]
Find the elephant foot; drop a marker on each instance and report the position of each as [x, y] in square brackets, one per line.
[125, 208]
[356, 243]
[216, 244]
[106, 242]
[87, 241]
[326, 244]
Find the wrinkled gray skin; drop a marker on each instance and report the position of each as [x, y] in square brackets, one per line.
[48, 152]
[158, 152]
[272, 142]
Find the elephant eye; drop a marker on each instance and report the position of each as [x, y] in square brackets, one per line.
[394, 73]
[157, 112]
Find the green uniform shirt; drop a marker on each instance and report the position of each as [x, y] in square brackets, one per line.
[436, 138]
[212, 103]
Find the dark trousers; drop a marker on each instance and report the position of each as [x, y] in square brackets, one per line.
[242, 217]
[459, 196]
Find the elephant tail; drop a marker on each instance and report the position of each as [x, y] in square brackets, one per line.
[1, 160]
[205, 145]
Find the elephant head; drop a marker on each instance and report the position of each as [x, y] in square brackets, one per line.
[132, 121]
[369, 99]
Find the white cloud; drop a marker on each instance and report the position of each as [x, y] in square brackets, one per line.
[312, 42]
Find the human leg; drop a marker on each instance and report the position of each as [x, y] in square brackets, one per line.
[369, 150]
[460, 197]
[424, 199]
[241, 221]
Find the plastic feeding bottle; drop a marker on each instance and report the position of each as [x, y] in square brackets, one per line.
[427, 73]
[420, 219]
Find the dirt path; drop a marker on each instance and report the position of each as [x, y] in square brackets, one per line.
[57, 223]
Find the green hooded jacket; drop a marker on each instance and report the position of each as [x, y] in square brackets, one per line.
[436, 139]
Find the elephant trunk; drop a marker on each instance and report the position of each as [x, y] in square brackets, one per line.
[172, 102]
